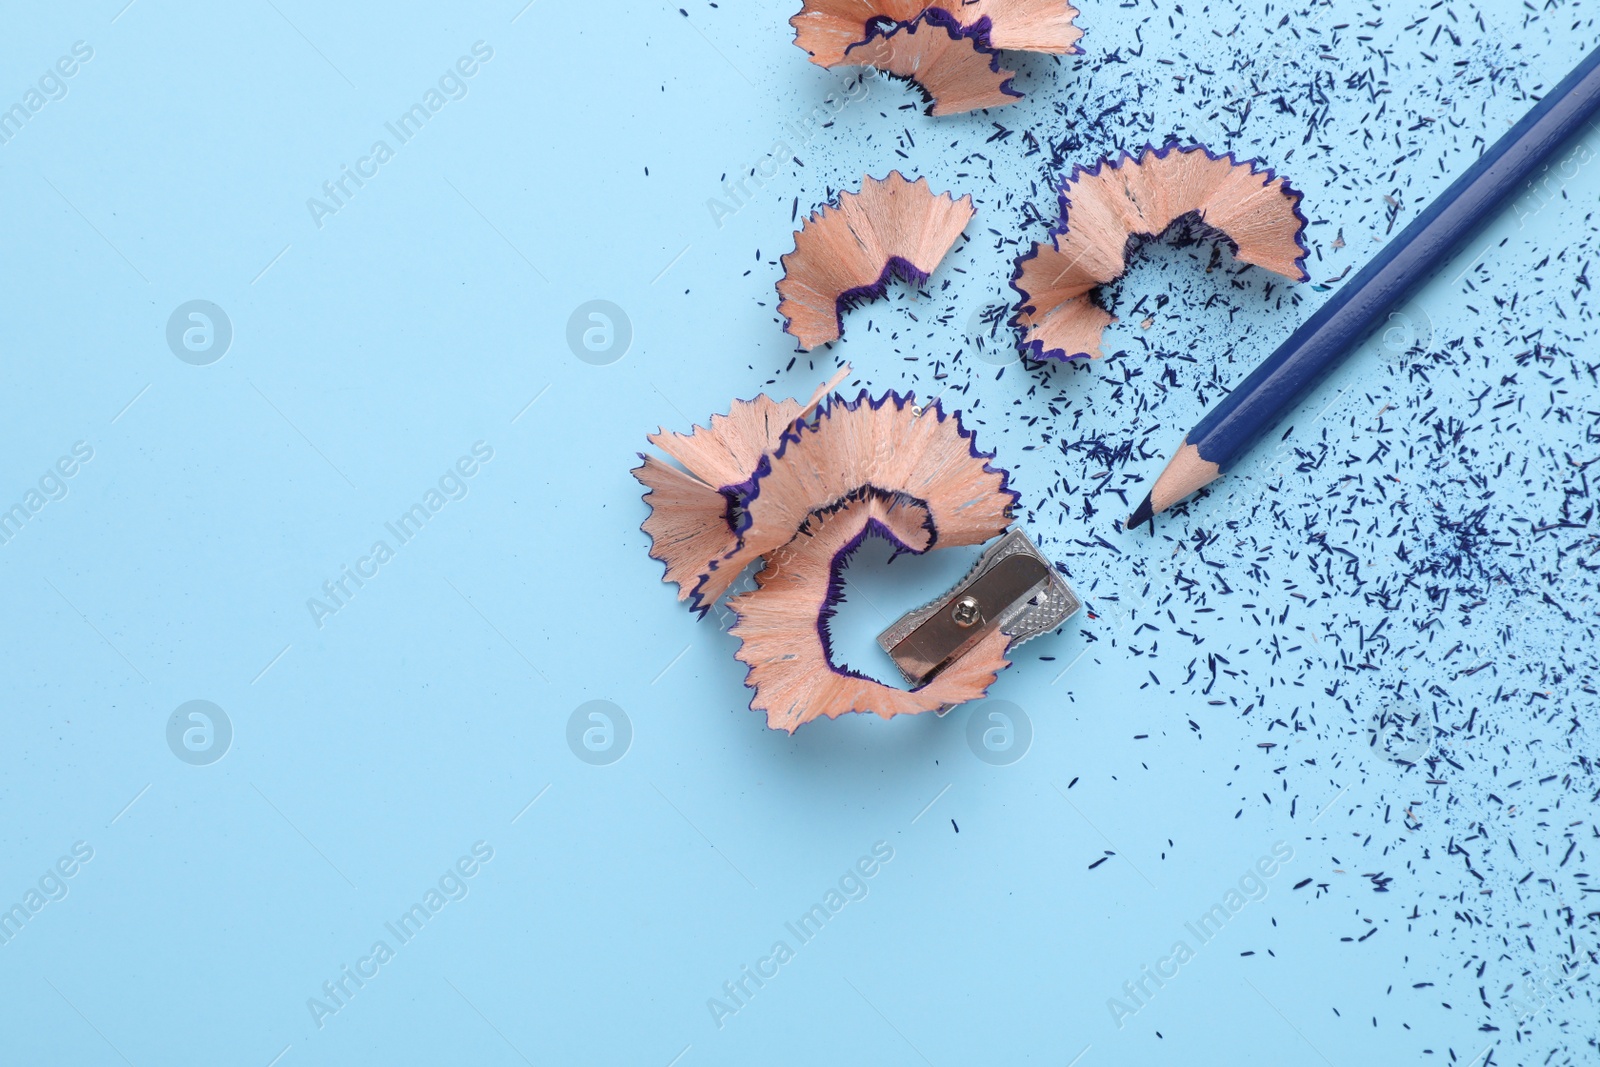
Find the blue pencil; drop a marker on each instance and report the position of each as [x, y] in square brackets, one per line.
[1325, 339]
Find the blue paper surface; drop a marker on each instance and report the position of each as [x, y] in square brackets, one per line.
[1347, 696]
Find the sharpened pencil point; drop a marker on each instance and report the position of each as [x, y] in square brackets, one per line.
[1142, 514]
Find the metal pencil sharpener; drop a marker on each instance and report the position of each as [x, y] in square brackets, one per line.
[1012, 588]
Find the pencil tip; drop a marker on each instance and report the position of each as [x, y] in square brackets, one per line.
[1142, 514]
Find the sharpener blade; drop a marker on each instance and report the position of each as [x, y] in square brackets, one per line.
[1012, 588]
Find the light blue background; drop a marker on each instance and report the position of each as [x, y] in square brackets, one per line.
[369, 753]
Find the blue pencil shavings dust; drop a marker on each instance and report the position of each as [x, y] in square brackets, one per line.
[1413, 563]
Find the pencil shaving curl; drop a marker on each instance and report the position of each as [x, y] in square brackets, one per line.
[790, 663]
[953, 68]
[887, 445]
[846, 252]
[812, 489]
[691, 520]
[1109, 208]
[826, 29]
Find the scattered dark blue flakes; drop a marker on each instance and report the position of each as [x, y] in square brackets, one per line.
[1396, 600]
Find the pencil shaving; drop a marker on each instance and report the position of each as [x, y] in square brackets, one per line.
[1028, 25]
[1107, 209]
[691, 517]
[782, 625]
[845, 253]
[886, 445]
[826, 29]
[769, 480]
[955, 70]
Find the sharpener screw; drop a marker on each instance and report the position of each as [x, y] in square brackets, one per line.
[965, 612]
